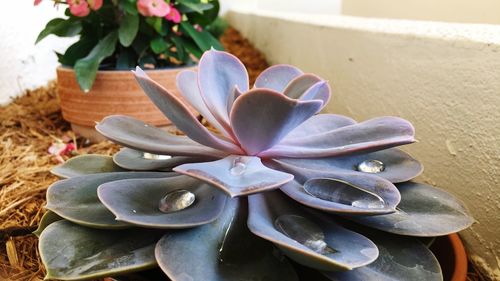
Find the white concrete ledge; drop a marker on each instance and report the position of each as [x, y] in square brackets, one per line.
[443, 77]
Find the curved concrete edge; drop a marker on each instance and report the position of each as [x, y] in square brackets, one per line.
[444, 78]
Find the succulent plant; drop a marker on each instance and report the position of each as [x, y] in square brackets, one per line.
[274, 188]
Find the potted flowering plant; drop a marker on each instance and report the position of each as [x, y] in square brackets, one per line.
[162, 36]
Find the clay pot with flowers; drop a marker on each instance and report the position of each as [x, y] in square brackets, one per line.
[161, 36]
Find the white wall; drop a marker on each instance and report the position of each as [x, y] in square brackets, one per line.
[24, 65]
[444, 78]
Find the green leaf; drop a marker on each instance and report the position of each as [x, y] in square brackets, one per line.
[158, 45]
[126, 59]
[179, 46]
[156, 23]
[193, 5]
[60, 27]
[77, 51]
[85, 165]
[86, 68]
[191, 47]
[207, 17]
[204, 40]
[217, 27]
[128, 29]
[129, 7]
[73, 252]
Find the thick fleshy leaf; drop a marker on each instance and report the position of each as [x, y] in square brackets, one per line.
[261, 118]
[400, 258]
[73, 252]
[310, 238]
[47, 218]
[236, 175]
[75, 199]
[138, 201]
[319, 124]
[187, 83]
[84, 165]
[218, 74]
[339, 191]
[298, 86]
[138, 135]
[372, 135]
[235, 93]
[223, 251]
[180, 115]
[398, 166]
[277, 77]
[137, 160]
[423, 211]
[318, 91]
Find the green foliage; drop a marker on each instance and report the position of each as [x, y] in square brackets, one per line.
[118, 35]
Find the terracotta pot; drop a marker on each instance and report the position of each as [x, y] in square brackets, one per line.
[113, 92]
[451, 254]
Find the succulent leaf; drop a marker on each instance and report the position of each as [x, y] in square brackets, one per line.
[261, 118]
[85, 165]
[137, 201]
[277, 77]
[47, 218]
[135, 134]
[400, 258]
[75, 199]
[73, 252]
[372, 135]
[311, 239]
[226, 251]
[236, 175]
[217, 83]
[397, 165]
[131, 159]
[299, 85]
[424, 211]
[180, 115]
[319, 124]
[346, 193]
[187, 83]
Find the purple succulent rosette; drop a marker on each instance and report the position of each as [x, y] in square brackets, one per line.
[278, 182]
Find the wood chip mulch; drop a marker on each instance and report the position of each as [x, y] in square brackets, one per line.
[28, 127]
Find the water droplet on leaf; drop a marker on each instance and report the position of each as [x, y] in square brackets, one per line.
[304, 232]
[150, 156]
[238, 167]
[344, 193]
[176, 200]
[371, 166]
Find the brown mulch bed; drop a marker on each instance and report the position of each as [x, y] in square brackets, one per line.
[28, 126]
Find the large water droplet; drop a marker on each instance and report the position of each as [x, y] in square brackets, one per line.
[151, 156]
[176, 200]
[238, 167]
[371, 166]
[305, 232]
[344, 193]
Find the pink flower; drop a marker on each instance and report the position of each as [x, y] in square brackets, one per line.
[198, 27]
[173, 15]
[60, 149]
[149, 8]
[79, 8]
[95, 4]
[37, 2]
